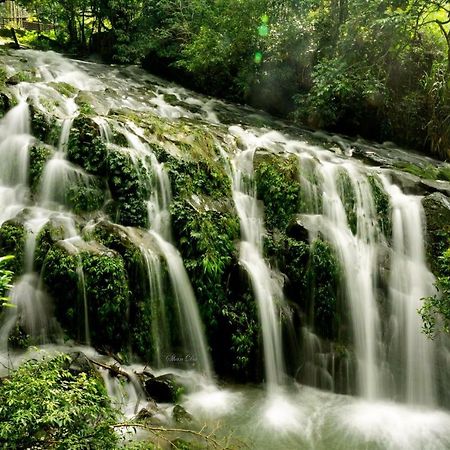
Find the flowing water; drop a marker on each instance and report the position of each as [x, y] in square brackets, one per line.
[394, 370]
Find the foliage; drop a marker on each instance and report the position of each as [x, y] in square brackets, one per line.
[12, 242]
[43, 405]
[39, 155]
[379, 68]
[85, 147]
[129, 186]
[206, 238]
[277, 185]
[107, 294]
[435, 311]
[5, 280]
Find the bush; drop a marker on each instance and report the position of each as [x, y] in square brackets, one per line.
[5, 280]
[45, 406]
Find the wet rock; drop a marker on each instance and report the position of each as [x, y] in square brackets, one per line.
[5, 103]
[80, 363]
[181, 416]
[437, 214]
[163, 389]
[297, 230]
[148, 413]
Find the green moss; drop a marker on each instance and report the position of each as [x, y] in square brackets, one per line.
[435, 311]
[106, 284]
[12, 242]
[49, 234]
[206, 239]
[86, 197]
[428, 172]
[324, 276]
[348, 198]
[382, 205]
[140, 311]
[201, 177]
[278, 187]
[43, 128]
[129, 186]
[39, 155]
[86, 149]
[20, 77]
[437, 213]
[108, 297]
[64, 88]
[313, 274]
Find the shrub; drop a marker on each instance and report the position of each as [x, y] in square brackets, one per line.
[45, 406]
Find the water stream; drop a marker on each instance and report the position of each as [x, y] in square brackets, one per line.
[391, 374]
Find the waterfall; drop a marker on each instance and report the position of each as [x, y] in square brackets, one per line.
[379, 353]
[159, 218]
[266, 285]
[410, 281]
[357, 255]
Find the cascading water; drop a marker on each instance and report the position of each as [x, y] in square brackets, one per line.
[410, 281]
[159, 218]
[382, 275]
[357, 254]
[266, 284]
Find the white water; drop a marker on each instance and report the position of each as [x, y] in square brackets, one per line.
[393, 359]
[266, 284]
[410, 281]
[160, 228]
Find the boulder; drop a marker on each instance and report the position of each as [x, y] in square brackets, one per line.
[437, 214]
[162, 389]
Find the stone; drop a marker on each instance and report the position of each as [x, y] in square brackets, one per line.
[162, 389]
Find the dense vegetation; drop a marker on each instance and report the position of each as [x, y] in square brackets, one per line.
[73, 410]
[379, 69]
[376, 68]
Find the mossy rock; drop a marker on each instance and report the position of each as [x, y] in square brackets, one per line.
[129, 184]
[313, 280]
[5, 103]
[86, 148]
[43, 127]
[39, 155]
[277, 185]
[84, 198]
[207, 239]
[64, 88]
[347, 195]
[383, 206]
[20, 77]
[141, 312]
[106, 287]
[12, 242]
[437, 214]
[199, 177]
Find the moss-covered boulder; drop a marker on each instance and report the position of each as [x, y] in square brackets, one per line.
[92, 275]
[132, 244]
[437, 214]
[39, 155]
[12, 242]
[44, 127]
[86, 148]
[277, 184]
[129, 184]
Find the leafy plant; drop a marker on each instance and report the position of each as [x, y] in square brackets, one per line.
[43, 405]
[435, 311]
[5, 280]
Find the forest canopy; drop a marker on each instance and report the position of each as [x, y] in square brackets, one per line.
[377, 68]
